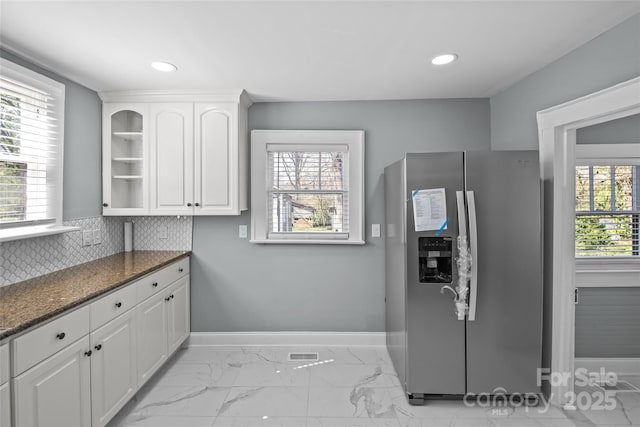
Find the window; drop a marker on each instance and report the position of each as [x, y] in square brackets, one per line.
[31, 134]
[607, 207]
[307, 187]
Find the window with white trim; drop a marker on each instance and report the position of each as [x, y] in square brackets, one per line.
[31, 144]
[307, 187]
[607, 204]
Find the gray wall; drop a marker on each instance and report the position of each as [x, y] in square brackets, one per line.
[239, 286]
[82, 145]
[621, 131]
[608, 318]
[608, 322]
[610, 58]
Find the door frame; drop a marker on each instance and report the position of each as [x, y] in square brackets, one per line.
[557, 139]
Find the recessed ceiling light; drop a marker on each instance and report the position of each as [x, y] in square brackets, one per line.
[445, 59]
[163, 66]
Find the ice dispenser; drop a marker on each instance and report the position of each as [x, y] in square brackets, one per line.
[436, 260]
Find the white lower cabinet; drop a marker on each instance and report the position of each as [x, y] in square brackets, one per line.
[151, 317]
[163, 324]
[5, 406]
[56, 392]
[113, 367]
[179, 315]
[5, 399]
[86, 382]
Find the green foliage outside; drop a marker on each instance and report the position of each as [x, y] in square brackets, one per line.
[605, 214]
[12, 173]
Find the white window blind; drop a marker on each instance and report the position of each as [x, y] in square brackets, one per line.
[607, 210]
[309, 190]
[31, 116]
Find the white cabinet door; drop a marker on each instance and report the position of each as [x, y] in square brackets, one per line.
[179, 313]
[216, 157]
[125, 159]
[113, 367]
[56, 392]
[171, 151]
[151, 319]
[5, 406]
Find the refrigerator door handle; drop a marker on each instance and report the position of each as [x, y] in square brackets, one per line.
[473, 237]
[462, 216]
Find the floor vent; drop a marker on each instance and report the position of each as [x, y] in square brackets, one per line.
[622, 386]
[306, 357]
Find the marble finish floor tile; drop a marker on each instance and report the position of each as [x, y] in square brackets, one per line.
[161, 421]
[190, 400]
[344, 387]
[266, 401]
[354, 402]
[264, 421]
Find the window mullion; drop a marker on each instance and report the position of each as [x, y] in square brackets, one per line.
[591, 190]
[612, 178]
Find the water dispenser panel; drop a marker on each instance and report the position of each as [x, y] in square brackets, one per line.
[436, 260]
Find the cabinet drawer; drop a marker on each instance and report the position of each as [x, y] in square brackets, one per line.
[48, 339]
[112, 305]
[4, 363]
[148, 286]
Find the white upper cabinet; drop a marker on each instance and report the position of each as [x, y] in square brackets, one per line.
[171, 150]
[125, 159]
[221, 159]
[197, 154]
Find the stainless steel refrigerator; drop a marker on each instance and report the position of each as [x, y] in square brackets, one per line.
[494, 346]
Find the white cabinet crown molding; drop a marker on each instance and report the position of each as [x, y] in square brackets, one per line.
[231, 95]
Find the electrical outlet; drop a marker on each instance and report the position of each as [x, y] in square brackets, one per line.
[97, 237]
[375, 230]
[242, 231]
[163, 232]
[87, 238]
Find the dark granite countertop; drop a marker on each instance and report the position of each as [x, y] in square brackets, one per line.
[32, 301]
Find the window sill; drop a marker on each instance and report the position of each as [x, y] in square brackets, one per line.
[308, 242]
[18, 233]
[604, 272]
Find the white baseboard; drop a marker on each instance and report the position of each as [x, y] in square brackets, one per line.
[329, 339]
[619, 365]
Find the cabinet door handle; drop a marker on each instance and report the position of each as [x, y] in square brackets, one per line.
[167, 298]
[189, 204]
[118, 304]
[154, 284]
[197, 204]
[98, 347]
[88, 353]
[171, 296]
[106, 205]
[61, 335]
[180, 270]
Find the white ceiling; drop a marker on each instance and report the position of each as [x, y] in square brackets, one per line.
[304, 50]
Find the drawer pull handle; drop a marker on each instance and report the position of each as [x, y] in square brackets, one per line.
[171, 296]
[180, 270]
[118, 304]
[189, 204]
[154, 284]
[88, 353]
[98, 347]
[61, 335]
[197, 204]
[167, 298]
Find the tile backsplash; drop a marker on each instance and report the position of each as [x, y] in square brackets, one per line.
[27, 258]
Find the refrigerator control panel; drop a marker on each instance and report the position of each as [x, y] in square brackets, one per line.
[435, 260]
